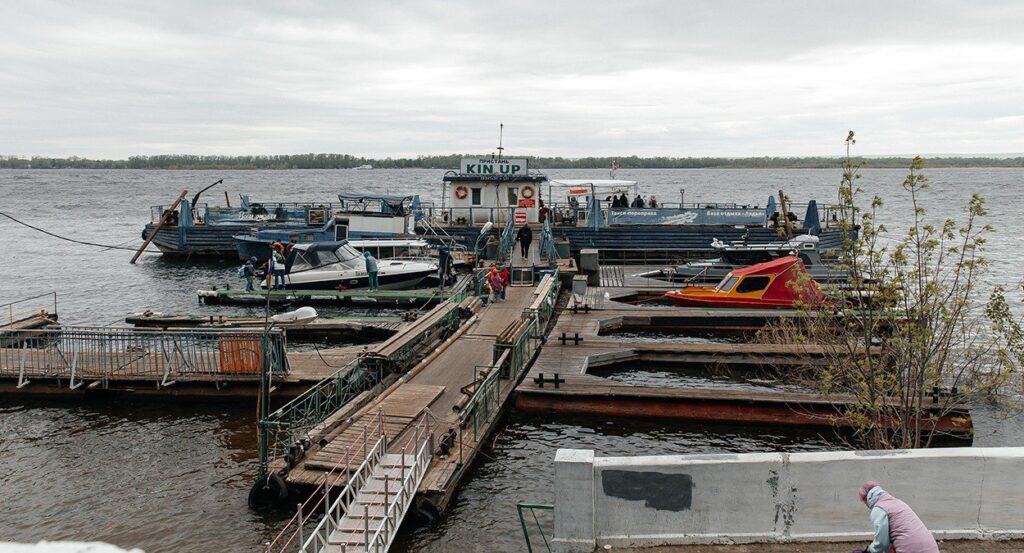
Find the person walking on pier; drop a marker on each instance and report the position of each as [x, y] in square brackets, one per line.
[249, 272]
[897, 528]
[525, 237]
[277, 263]
[503, 274]
[494, 281]
[371, 270]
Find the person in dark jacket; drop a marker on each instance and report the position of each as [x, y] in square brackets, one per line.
[623, 200]
[525, 237]
[638, 202]
[249, 273]
[897, 527]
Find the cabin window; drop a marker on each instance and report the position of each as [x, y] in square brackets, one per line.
[727, 283]
[753, 284]
[476, 193]
[513, 196]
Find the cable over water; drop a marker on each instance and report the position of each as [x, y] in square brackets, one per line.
[84, 243]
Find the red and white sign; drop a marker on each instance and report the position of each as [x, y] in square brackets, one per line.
[526, 203]
[520, 217]
[578, 191]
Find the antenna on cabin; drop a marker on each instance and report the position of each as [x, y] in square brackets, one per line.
[501, 136]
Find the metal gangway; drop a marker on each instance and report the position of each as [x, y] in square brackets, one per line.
[374, 496]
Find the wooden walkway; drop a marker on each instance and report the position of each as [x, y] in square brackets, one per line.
[437, 387]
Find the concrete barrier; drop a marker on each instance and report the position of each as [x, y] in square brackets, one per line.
[963, 493]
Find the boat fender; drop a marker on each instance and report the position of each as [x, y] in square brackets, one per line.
[527, 192]
[461, 192]
[268, 492]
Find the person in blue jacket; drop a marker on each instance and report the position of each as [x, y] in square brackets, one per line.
[371, 270]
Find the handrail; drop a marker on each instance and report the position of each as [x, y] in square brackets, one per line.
[28, 312]
[323, 491]
[421, 446]
[163, 355]
[533, 508]
[507, 241]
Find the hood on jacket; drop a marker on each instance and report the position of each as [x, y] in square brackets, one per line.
[873, 495]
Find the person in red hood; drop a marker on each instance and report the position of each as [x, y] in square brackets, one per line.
[503, 274]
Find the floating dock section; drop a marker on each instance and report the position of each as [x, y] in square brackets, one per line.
[344, 298]
[561, 379]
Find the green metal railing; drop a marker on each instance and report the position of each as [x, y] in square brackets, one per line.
[484, 404]
[508, 240]
[511, 360]
[547, 244]
[283, 428]
[533, 508]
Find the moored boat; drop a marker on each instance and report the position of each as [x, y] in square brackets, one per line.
[739, 255]
[778, 284]
[334, 265]
[589, 213]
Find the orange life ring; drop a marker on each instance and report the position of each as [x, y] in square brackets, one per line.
[527, 192]
[461, 192]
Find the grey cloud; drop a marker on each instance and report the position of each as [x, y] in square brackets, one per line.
[111, 79]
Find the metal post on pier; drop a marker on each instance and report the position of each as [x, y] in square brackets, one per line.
[302, 546]
[366, 526]
[327, 494]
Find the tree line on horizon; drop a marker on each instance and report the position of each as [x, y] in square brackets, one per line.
[345, 161]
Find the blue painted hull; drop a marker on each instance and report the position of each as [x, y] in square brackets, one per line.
[684, 241]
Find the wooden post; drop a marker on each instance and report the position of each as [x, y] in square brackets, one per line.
[785, 214]
[156, 229]
[227, 199]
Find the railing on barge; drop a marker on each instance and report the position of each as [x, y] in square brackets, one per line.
[76, 354]
[28, 308]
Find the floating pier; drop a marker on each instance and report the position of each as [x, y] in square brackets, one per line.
[177, 364]
[583, 339]
[345, 328]
[344, 298]
[416, 439]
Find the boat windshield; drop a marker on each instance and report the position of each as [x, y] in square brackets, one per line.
[727, 283]
[345, 256]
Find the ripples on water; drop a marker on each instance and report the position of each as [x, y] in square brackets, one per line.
[174, 477]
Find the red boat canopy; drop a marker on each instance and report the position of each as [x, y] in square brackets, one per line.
[790, 284]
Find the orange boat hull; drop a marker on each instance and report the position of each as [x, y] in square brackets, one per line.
[726, 302]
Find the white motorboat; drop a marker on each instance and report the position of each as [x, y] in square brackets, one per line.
[337, 265]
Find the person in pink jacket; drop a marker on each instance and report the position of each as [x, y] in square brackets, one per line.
[897, 528]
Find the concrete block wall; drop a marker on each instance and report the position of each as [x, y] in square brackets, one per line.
[771, 497]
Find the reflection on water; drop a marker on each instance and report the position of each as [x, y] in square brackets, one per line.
[670, 375]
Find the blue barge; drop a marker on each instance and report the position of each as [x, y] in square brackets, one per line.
[225, 231]
[585, 214]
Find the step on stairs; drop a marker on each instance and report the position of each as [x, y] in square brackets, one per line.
[351, 533]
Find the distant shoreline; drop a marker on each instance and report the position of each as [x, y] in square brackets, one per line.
[348, 162]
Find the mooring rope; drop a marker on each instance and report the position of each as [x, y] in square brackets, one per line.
[84, 243]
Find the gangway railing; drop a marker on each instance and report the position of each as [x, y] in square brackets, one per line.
[547, 244]
[507, 241]
[417, 453]
[164, 356]
[371, 451]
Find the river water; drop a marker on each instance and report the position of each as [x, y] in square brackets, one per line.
[174, 477]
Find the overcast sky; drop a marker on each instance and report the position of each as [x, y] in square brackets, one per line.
[112, 79]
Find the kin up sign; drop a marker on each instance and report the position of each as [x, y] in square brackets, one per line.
[489, 167]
